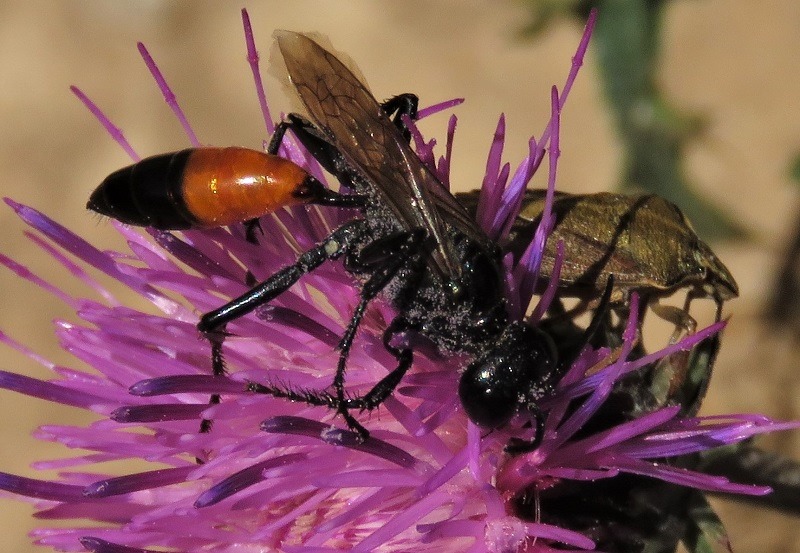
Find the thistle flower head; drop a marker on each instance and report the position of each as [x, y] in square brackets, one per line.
[278, 475]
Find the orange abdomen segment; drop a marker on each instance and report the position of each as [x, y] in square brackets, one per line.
[223, 186]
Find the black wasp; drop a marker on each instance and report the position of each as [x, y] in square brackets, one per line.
[412, 241]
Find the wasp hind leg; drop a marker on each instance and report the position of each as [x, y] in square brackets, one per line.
[402, 105]
[252, 228]
[338, 243]
[318, 145]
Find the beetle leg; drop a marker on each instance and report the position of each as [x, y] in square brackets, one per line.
[695, 293]
[680, 317]
[578, 309]
[718, 315]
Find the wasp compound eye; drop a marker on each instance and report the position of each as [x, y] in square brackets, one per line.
[511, 375]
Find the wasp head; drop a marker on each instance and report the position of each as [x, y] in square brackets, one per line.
[511, 375]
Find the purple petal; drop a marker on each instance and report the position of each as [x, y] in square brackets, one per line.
[141, 481]
[158, 412]
[243, 479]
[552, 286]
[436, 108]
[561, 535]
[692, 479]
[628, 430]
[294, 319]
[305, 427]
[191, 256]
[253, 60]
[48, 391]
[491, 192]
[443, 168]
[40, 489]
[25, 273]
[97, 545]
[73, 268]
[80, 248]
[110, 128]
[413, 514]
[187, 384]
[169, 96]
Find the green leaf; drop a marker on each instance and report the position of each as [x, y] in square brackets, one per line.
[747, 464]
[706, 531]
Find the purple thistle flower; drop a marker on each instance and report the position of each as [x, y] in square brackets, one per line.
[281, 475]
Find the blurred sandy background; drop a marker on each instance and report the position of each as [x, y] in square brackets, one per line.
[735, 61]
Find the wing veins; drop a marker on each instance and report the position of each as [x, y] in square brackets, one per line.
[354, 122]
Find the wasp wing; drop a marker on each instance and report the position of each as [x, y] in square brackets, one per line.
[457, 215]
[354, 122]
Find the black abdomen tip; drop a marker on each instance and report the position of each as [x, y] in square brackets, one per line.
[114, 198]
[147, 193]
